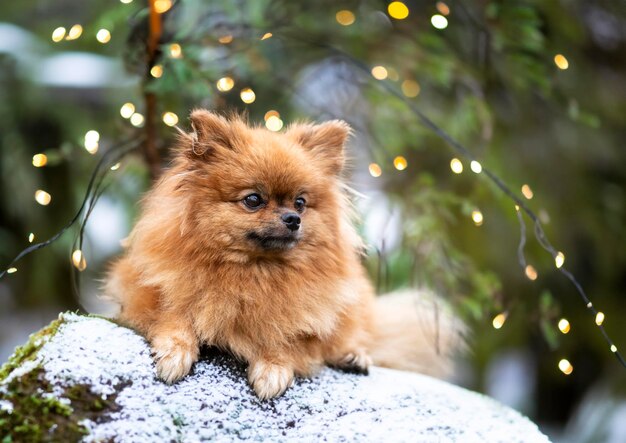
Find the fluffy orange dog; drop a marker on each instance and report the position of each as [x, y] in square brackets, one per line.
[245, 243]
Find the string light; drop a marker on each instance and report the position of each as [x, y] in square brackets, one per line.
[225, 39]
[375, 170]
[103, 36]
[456, 165]
[613, 348]
[225, 84]
[12, 270]
[476, 167]
[176, 51]
[274, 123]
[58, 34]
[91, 141]
[565, 366]
[127, 110]
[156, 71]
[439, 21]
[345, 17]
[271, 113]
[400, 163]
[40, 160]
[477, 217]
[564, 326]
[527, 192]
[599, 318]
[559, 259]
[398, 10]
[531, 272]
[247, 95]
[42, 197]
[379, 72]
[170, 119]
[266, 36]
[561, 62]
[589, 305]
[499, 320]
[443, 8]
[116, 166]
[137, 120]
[161, 6]
[393, 74]
[126, 1]
[410, 88]
[75, 32]
[31, 237]
[78, 260]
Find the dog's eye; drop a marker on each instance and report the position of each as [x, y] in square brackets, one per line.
[299, 204]
[253, 201]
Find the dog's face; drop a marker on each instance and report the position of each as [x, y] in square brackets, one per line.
[254, 193]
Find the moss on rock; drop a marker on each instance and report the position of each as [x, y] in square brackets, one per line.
[33, 410]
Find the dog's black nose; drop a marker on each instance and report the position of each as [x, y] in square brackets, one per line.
[291, 220]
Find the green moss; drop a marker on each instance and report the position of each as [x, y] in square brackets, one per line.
[39, 416]
[29, 350]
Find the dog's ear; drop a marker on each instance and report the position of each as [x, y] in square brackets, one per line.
[325, 141]
[210, 132]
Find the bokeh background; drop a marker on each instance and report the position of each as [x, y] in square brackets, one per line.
[534, 89]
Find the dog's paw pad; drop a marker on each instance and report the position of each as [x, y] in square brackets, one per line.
[269, 380]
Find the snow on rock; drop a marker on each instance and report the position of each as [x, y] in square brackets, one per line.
[215, 402]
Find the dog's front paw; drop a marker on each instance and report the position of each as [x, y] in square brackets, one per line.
[269, 380]
[174, 357]
[356, 361]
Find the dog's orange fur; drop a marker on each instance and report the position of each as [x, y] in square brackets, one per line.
[192, 275]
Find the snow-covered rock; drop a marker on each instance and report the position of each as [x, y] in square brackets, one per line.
[86, 377]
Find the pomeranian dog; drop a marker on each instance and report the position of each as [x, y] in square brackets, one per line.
[246, 243]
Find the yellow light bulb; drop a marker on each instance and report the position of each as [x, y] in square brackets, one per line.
[476, 167]
[127, 110]
[439, 21]
[379, 72]
[531, 272]
[137, 120]
[456, 165]
[410, 88]
[400, 163]
[398, 10]
[565, 366]
[527, 192]
[499, 320]
[267, 35]
[564, 326]
[103, 36]
[91, 141]
[42, 197]
[12, 270]
[271, 113]
[116, 166]
[274, 123]
[559, 259]
[375, 170]
[345, 17]
[40, 160]
[443, 8]
[78, 260]
[156, 71]
[31, 237]
[161, 6]
[176, 51]
[599, 318]
[247, 95]
[58, 34]
[170, 119]
[561, 62]
[477, 217]
[75, 32]
[225, 84]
